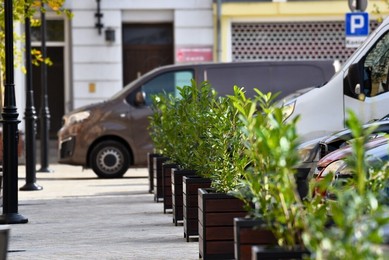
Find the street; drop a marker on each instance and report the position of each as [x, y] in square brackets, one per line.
[77, 215]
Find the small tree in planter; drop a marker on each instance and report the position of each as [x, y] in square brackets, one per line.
[193, 112]
[223, 147]
[179, 125]
[162, 127]
[176, 124]
[219, 154]
[163, 123]
[350, 227]
[269, 183]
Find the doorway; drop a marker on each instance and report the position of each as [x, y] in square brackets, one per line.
[55, 89]
[145, 47]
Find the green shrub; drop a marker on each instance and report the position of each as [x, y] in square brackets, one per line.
[350, 227]
[269, 182]
[201, 131]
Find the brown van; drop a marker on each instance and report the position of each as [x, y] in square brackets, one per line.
[112, 136]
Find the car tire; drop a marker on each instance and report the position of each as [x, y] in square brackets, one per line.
[110, 159]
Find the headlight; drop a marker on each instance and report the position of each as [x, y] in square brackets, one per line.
[333, 167]
[78, 117]
[344, 171]
[308, 153]
[288, 109]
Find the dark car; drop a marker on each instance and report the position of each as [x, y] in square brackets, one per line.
[112, 136]
[377, 154]
[312, 151]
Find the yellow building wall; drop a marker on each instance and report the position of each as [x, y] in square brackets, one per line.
[283, 11]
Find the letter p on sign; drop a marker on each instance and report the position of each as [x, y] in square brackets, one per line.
[357, 24]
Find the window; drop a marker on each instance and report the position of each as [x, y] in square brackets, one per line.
[166, 82]
[376, 68]
[54, 31]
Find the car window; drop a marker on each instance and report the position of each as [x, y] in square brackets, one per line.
[376, 68]
[167, 82]
[163, 83]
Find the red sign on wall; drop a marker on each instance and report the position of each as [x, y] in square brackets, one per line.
[194, 54]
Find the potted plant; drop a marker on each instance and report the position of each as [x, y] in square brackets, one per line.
[161, 124]
[166, 131]
[223, 145]
[175, 126]
[269, 184]
[349, 226]
[192, 110]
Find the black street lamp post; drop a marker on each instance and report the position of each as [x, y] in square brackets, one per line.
[30, 116]
[10, 129]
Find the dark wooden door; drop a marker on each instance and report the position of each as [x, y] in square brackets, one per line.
[145, 47]
[55, 90]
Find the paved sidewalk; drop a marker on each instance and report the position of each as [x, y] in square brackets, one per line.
[78, 216]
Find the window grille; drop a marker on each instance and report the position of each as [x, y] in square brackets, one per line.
[290, 41]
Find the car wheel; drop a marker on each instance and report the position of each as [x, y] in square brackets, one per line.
[110, 159]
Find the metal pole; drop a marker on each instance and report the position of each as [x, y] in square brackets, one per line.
[44, 111]
[10, 128]
[218, 28]
[30, 115]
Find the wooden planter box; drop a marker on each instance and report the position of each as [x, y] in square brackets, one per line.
[157, 186]
[150, 168]
[177, 193]
[190, 203]
[276, 252]
[4, 240]
[216, 223]
[248, 233]
[167, 185]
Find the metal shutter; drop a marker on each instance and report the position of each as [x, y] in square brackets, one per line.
[290, 41]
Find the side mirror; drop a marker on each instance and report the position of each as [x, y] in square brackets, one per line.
[361, 95]
[140, 98]
[357, 89]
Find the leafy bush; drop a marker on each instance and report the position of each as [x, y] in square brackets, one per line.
[269, 182]
[201, 131]
[224, 144]
[162, 122]
[350, 227]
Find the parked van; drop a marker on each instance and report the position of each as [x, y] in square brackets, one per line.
[111, 136]
[360, 85]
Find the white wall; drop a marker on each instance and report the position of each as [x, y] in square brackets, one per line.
[96, 62]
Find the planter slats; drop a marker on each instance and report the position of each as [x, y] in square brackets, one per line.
[216, 223]
[219, 233]
[167, 185]
[177, 193]
[271, 252]
[4, 240]
[219, 249]
[248, 233]
[222, 205]
[150, 167]
[190, 203]
[157, 184]
[225, 219]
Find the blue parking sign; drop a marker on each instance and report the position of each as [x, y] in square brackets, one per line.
[357, 24]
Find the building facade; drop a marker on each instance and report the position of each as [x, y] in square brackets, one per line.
[107, 44]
